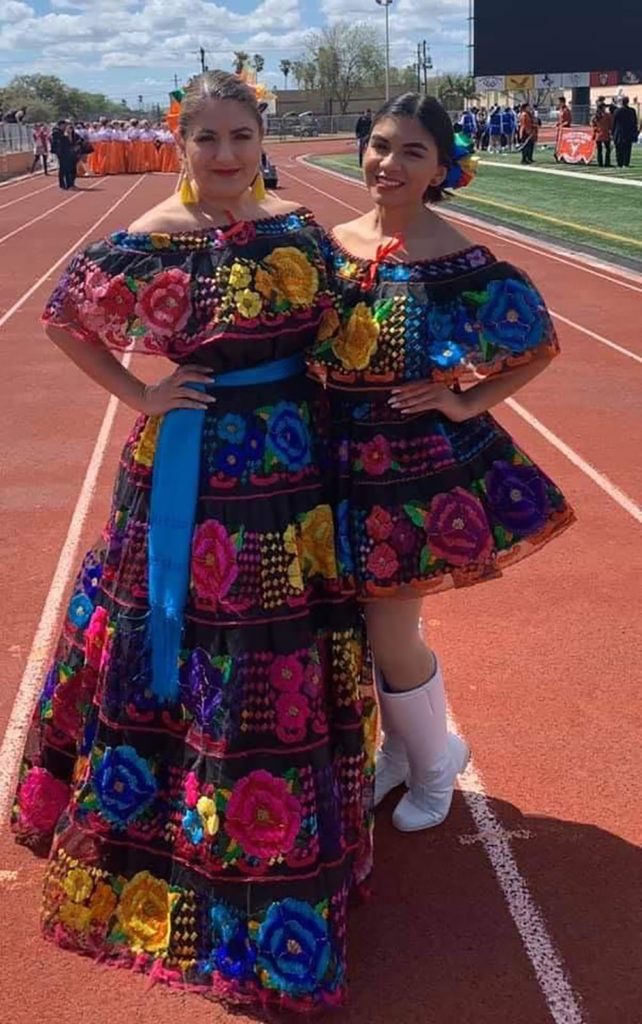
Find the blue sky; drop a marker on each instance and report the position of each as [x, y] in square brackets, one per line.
[127, 48]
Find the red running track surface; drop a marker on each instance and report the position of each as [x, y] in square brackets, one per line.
[524, 907]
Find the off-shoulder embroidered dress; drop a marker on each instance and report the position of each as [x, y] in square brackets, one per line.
[211, 841]
[427, 502]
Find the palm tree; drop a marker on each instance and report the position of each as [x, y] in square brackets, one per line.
[240, 60]
[285, 67]
[298, 72]
[259, 63]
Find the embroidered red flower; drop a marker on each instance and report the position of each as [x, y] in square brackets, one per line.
[383, 562]
[164, 305]
[376, 455]
[379, 524]
[292, 713]
[286, 673]
[41, 801]
[458, 529]
[117, 299]
[214, 566]
[95, 636]
[263, 816]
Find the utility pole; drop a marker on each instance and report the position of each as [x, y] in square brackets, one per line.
[386, 5]
[426, 58]
[418, 67]
[176, 81]
[202, 56]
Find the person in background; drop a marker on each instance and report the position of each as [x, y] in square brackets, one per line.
[625, 132]
[362, 132]
[528, 133]
[469, 123]
[40, 147]
[495, 130]
[482, 127]
[509, 128]
[564, 114]
[64, 143]
[603, 127]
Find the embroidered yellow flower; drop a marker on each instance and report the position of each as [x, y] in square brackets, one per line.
[160, 240]
[144, 912]
[248, 303]
[146, 446]
[358, 340]
[103, 903]
[329, 325]
[263, 283]
[240, 276]
[295, 278]
[317, 542]
[371, 737]
[290, 540]
[75, 916]
[78, 885]
[207, 812]
[349, 270]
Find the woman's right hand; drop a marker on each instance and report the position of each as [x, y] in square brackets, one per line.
[174, 392]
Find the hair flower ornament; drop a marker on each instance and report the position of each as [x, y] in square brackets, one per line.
[464, 164]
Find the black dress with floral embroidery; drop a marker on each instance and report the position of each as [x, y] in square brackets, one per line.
[211, 841]
[427, 502]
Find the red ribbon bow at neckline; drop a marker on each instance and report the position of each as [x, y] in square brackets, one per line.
[383, 251]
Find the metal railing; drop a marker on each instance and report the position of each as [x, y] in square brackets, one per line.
[15, 138]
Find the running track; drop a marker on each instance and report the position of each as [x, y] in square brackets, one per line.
[524, 907]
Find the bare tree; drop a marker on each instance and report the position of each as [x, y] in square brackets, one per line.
[346, 57]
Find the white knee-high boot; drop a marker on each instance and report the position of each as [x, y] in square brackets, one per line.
[417, 718]
[391, 768]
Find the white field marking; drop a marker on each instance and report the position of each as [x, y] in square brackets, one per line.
[31, 682]
[26, 196]
[606, 179]
[547, 963]
[557, 316]
[47, 213]
[513, 833]
[15, 181]
[603, 482]
[610, 272]
[41, 280]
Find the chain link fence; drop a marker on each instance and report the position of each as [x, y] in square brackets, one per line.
[15, 138]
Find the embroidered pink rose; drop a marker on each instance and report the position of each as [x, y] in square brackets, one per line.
[458, 529]
[192, 792]
[379, 524]
[95, 636]
[214, 566]
[263, 816]
[292, 716]
[164, 305]
[117, 299]
[376, 455]
[96, 284]
[286, 673]
[41, 801]
[383, 562]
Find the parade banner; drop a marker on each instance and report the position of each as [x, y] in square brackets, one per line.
[576, 79]
[491, 83]
[604, 79]
[520, 83]
[548, 81]
[575, 145]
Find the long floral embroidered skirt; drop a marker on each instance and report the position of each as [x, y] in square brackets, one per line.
[214, 841]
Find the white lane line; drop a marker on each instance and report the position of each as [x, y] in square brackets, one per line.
[32, 678]
[552, 975]
[610, 272]
[12, 182]
[557, 316]
[41, 280]
[26, 195]
[47, 213]
[614, 492]
[603, 179]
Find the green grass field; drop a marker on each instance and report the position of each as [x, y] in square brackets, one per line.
[544, 157]
[594, 215]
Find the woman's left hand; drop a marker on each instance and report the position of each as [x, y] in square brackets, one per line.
[425, 396]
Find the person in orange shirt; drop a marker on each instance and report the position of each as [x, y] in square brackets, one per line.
[603, 128]
[528, 133]
[564, 114]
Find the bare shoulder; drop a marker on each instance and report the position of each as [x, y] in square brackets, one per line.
[351, 233]
[171, 215]
[272, 206]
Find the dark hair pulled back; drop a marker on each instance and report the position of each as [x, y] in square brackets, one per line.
[434, 119]
[215, 85]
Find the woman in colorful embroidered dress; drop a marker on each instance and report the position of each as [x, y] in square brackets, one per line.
[436, 493]
[208, 792]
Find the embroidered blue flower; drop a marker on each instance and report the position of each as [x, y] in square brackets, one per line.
[512, 317]
[231, 459]
[80, 610]
[193, 826]
[518, 496]
[394, 271]
[294, 947]
[201, 687]
[293, 222]
[446, 354]
[90, 578]
[124, 784]
[232, 428]
[288, 436]
[343, 538]
[254, 446]
[233, 954]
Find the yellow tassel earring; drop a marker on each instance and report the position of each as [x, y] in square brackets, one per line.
[258, 188]
[188, 192]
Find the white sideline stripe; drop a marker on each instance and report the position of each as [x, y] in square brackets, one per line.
[557, 316]
[41, 280]
[47, 213]
[552, 976]
[11, 182]
[602, 481]
[26, 196]
[613, 273]
[604, 179]
[31, 682]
